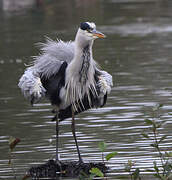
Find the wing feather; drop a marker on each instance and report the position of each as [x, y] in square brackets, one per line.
[31, 86]
[52, 55]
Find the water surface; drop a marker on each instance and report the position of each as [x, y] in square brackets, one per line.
[137, 52]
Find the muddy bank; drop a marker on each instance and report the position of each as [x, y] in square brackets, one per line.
[53, 170]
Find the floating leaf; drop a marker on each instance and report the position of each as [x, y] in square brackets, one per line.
[96, 172]
[13, 142]
[111, 155]
[102, 146]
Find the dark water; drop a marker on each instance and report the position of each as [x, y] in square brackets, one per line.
[137, 52]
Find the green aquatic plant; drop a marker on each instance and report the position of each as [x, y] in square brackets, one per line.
[93, 173]
[134, 173]
[152, 133]
[102, 146]
[96, 172]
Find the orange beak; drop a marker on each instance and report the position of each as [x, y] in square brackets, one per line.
[98, 34]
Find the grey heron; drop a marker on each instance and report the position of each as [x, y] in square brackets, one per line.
[67, 74]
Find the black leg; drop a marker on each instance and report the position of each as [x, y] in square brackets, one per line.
[57, 137]
[74, 135]
[57, 142]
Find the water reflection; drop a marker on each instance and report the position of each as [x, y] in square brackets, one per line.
[16, 5]
[137, 52]
[138, 29]
[19, 5]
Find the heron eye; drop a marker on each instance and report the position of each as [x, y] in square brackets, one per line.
[90, 30]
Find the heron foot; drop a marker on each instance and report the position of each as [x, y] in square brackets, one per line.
[59, 165]
[81, 161]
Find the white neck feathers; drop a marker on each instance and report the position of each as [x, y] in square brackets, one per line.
[80, 75]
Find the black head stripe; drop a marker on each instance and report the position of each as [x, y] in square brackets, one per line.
[84, 26]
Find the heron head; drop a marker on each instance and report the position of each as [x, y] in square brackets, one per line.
[88, 30]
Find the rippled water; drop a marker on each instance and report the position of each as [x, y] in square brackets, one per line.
[137, 52]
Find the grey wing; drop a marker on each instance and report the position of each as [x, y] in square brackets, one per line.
[53, 54]
[105, 81]
[31, 86]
